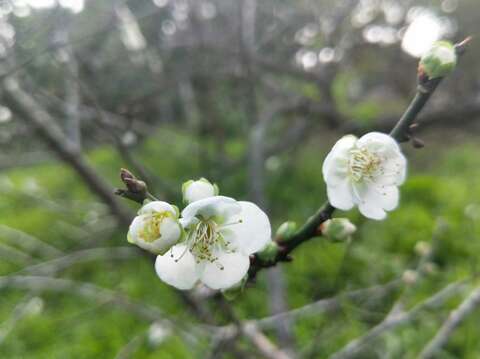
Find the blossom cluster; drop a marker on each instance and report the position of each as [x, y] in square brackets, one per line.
[210, 241]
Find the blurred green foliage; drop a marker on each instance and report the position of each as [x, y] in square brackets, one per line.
[49, 202]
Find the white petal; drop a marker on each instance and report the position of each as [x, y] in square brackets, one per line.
[336, 161]
[135, 227]
[344, 144]
[340, 195]
[157, 206]
[335, 170]
[254, 231]
[182, 274]
[218, 206]
[235, 267]
[385, 197]
[170, 233]
[198, 190]
[378, 142]
[389, 197]
[395, 169]
[370, 210]
[188, 222]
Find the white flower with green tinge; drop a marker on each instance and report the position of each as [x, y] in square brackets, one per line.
[197, 190]
[365, 172]
[221, 233]
[156, 228]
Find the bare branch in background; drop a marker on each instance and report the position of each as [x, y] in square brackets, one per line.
[400, 318]
[28, 242]
[66, 55]
[263, 344]
[31, 111]
[260, 121]
[86, 255]
[98, 294]
[455, 318]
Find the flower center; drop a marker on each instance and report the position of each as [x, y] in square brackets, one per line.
[205, 239]
[363, 164]
[151, 229]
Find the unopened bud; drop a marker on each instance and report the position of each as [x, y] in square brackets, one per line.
[135, 185]
[431, 268]
[126, 174]
[132, 183]
[158, 332]
[269, 252]
[417, 143]
[409, 277]
[286, 230]
[472, 211]
[423, 248]
[196, 190]
[439, 61]
[338, 229]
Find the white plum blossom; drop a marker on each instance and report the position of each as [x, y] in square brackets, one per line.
[156, 228]
[200, 189]
[365, 172]
[221, 233]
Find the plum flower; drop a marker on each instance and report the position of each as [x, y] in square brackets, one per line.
[221, 233]
[365, 172]
[156, 228]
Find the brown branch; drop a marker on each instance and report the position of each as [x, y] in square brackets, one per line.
[33, 113]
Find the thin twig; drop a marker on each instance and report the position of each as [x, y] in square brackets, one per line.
[98, 294]
[251, 332]
[393, 321]
[330, 304]
[455, 318]
[81, 256]
[262, 343]
[229, 332]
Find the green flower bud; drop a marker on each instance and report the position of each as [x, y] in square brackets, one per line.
[338, 229]
[410, 276]
[195, 190]
[269, 253]
[439, 61]
[423, 248]
[286, 230]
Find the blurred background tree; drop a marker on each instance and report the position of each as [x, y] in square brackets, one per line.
[250, 94]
